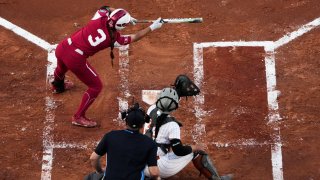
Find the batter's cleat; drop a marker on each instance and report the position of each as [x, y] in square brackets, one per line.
[226, 177]
[61, 86]
[83, 122]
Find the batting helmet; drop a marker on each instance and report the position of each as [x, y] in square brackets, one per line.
[119, 18]
[168, 100]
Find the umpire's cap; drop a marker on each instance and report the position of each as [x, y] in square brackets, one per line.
[135, 117]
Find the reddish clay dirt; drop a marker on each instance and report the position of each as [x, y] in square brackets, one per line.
[234, 83]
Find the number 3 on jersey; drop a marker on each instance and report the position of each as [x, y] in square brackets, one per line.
[97, 40]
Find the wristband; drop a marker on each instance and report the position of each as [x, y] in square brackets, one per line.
[152, 27]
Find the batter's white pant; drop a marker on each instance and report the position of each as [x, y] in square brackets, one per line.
[170, 164]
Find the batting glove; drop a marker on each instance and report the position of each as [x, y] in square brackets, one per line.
[133, 21]
[156, 24]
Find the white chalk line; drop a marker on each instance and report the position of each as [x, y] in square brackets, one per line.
[25, 34]
[241, 143]
[295, 34]
[198, 75]
[124, 80]
[234, 44]
[273, 115]
[47, 139]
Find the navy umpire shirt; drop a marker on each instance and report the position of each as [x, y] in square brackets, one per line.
[128, 153]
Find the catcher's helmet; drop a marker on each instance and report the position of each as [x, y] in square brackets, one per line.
[168, 100]
[119, 18]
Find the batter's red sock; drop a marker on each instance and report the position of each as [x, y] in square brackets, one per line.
[85, 104]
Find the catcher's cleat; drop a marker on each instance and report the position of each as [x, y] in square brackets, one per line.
[83, 122]
[204, 164]
[61, 86]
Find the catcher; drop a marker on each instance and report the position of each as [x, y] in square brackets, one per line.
[173, 154]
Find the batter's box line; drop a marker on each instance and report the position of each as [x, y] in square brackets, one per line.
[272, 94]
[271, 87]
[241, 143]
[90, 145]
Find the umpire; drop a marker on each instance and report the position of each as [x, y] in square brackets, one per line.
[128, 151]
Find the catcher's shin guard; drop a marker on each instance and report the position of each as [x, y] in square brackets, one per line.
[204, 164]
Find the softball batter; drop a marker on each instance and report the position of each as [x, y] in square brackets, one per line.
[72, 53]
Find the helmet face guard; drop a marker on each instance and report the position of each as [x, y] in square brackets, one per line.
[119, 18]
[167, 107]
[168, 100]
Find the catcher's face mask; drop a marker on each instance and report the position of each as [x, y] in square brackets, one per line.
[168, 100]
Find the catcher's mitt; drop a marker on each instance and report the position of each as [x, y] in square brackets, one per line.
[185, 87]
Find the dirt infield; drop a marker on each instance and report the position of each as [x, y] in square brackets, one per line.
[236, 126]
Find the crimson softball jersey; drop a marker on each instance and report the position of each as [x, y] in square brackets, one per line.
[95, 36]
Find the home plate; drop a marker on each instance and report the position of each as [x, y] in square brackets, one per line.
[150, 96]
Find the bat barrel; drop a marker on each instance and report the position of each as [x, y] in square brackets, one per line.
[183, 20]
[175, 20]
